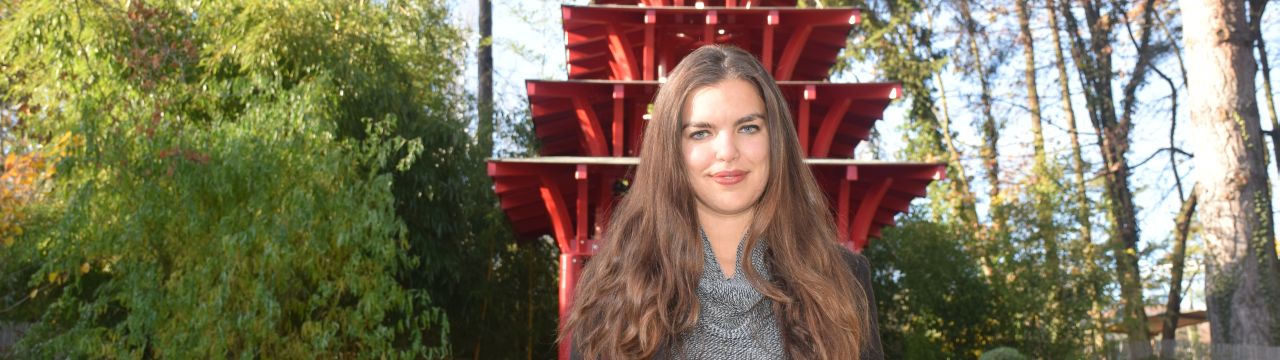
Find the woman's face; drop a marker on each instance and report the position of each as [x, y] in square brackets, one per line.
[726, 146]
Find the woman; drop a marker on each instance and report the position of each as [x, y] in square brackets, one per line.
[724, 246]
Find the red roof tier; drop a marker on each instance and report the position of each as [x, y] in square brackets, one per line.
[562, 196]
[580, 118]
[640, 43]
[698, 3]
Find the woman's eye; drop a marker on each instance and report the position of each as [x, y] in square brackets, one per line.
[699, 135]
[749, 129]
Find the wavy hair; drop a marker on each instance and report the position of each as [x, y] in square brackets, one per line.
[638, 294]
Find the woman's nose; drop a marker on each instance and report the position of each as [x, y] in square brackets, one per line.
[726, 147]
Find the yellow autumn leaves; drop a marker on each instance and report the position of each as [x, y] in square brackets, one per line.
[24, 181]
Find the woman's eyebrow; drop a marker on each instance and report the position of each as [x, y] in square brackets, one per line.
[699, 124]
[745, 119]
[748, 118]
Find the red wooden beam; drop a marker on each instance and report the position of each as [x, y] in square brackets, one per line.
[546, 89]
[570, 267]
[618, 124]
[827, 131]
[604, 205]
[858, 132]
[895, 202]
[583, 14]
[520, 207]
[503, 187]
[867, 211]
[708, 3]
[650, 21]
[766, 54]
[787, 64]
[884, 218]
[636, 133]
[590, 125]
[588, 36]
[533, 210]
[515, 169]
[559, 147]
[908, 171]
[556, 121]
[913, 187]
[580, 175]
[842, 202]
[810, 93]
[824, 18]
[620, 46]
[559, 211]
[709, 30]
[585, 33]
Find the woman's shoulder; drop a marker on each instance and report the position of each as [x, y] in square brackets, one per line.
[862, 272]
[859, 264]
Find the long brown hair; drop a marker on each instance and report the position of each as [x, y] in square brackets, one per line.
[639, 292]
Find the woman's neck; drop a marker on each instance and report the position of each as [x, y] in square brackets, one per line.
[725, 232]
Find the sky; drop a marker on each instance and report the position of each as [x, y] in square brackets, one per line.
[529, 44]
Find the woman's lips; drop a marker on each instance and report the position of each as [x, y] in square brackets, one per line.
[729, 177]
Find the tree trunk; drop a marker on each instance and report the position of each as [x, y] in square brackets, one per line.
[1177, 259]
[1077, 158]
[1242, 278]
[990, 129]
[1043, 196]
[1044, 213]
[1182, 224]
[1256, 8]
[966, 210]
[484, 69]
[529, 332]
[484, 125]
[1029, 74]
[1114, 139]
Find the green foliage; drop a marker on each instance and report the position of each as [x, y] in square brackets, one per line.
[932, 298]
[935, 300]
[1042, 286]
[248, 178]
[1050, 280]
[502, 294]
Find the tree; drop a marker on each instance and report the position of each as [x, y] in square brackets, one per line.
[899, 37]
[1235, 202]
[990, 127]
[237, 183]
[1068, 111]
[484, 78]
[1042, 184]
[1094, 62]
[1256, 8]
[1182, 230]
[932, 298]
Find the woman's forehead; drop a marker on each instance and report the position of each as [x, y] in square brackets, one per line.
[725, 101]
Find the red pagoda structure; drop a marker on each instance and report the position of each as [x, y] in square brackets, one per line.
[618, 53]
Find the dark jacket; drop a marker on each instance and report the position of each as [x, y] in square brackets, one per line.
[862, 271]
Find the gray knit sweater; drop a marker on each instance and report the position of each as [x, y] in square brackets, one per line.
[737, 322]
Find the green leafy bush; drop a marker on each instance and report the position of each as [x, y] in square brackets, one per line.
[239, 178]
[930, 293]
